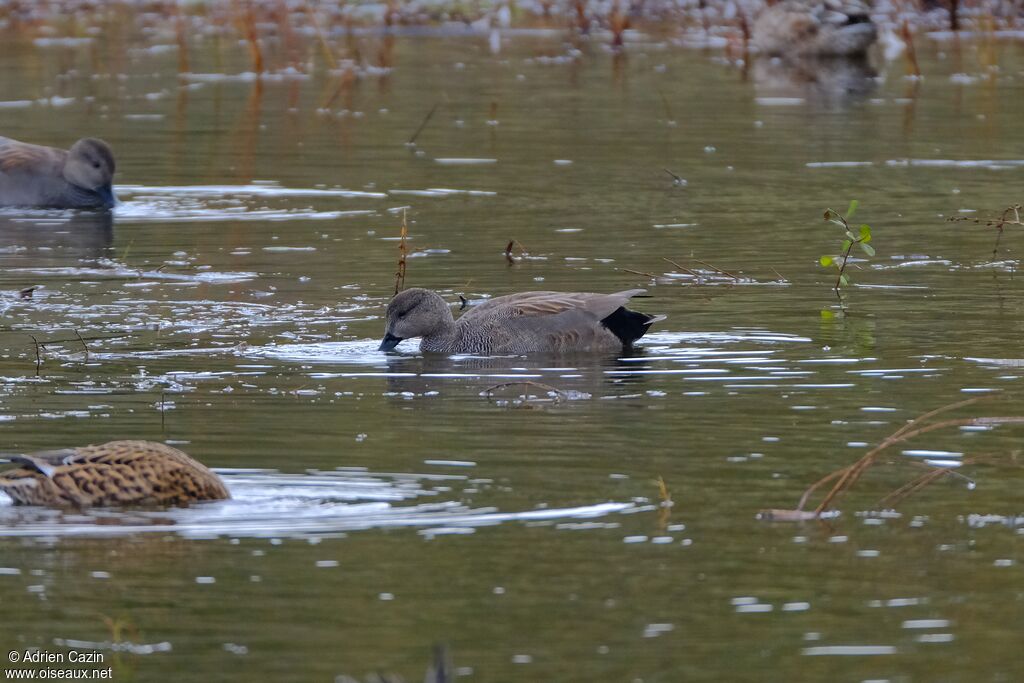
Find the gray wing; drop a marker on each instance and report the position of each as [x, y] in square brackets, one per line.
[20, 157]
[546, 304]
[488, 306]
[570, 331]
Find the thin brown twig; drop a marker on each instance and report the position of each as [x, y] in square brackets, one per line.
[665, 507]
[908, 38]
[423, 124]
[913, 486]
[999, 224]
[717, 269]
[845, 477]
[402, 251]
[559, 394]
[682, 268]
[321, 38]
[39, 358]
[84, 345]
[345, 81]
[638, 272]
[249, 29]
[850, 474]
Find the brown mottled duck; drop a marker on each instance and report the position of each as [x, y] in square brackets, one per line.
[111, 474]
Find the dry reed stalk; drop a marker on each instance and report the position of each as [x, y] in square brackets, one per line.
[618, 21]
[182, 41]
[638, 272]
[345, 83]
[665, 507]
[582, 23]
[745, 30]
[39, 355]
[386, 52]
[845, 477]
[908, 38]
[685, 270]
[287, 35]
[718, 270]
[402, 251]
[332, 62]
[914, 485]
[248, 29]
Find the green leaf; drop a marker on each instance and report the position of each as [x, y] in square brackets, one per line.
[846, 245]
[867, 248]
[850, 236]
[827, 314]
[852, 209]
[843, 280]
[865, 233]
[826, 261]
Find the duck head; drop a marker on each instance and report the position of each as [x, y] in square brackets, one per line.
[412, 313]
[90, 166]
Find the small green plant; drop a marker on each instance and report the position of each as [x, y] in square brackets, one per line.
[861, 239]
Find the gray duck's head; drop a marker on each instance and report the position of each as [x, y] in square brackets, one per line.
[90, 165]
[412, 313]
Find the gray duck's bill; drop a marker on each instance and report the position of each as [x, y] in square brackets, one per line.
[390, 342]
[106, 194]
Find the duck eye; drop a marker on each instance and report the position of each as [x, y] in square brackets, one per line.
[96, 164]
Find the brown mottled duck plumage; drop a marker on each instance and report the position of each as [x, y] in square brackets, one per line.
[110, 474]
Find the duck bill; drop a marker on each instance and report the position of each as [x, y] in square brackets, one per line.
[390, 342]
[106, 194]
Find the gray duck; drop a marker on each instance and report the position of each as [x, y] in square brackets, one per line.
[528, 322]
[46, 177]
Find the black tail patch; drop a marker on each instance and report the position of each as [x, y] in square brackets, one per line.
[628, 325]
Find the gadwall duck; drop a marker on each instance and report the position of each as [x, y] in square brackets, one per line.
[114, 473]
[46, 177]
[528, 322]
[806, 28]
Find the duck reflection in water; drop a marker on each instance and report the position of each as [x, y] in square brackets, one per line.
[574, 373]
[815, 50]
[822, 82]
[83, 234]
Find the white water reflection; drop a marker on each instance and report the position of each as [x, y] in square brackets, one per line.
[266, 503]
